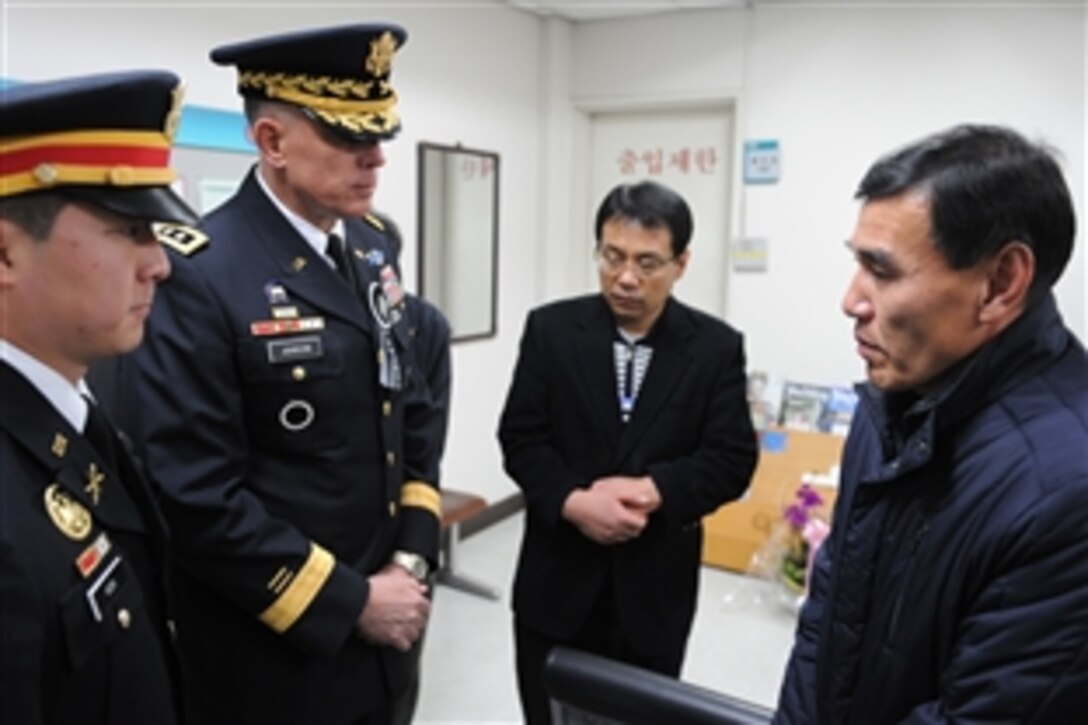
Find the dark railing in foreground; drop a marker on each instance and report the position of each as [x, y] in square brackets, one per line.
[586, 688]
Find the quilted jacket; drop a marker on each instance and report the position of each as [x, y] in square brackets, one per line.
[954, 585]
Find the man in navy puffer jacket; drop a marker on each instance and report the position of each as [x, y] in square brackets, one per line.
[954, 585]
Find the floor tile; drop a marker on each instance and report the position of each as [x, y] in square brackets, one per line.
[740, 639]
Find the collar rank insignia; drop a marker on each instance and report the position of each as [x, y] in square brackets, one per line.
[60, 445]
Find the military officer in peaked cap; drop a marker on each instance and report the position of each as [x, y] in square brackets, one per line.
[84, 177]
[273, 390]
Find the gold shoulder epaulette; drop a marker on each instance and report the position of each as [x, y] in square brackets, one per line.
[184, 240]
[375, 222]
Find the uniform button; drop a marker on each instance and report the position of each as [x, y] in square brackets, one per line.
[122, 175]
[124, 619]
[387, 408]
[298, 373]
[391, 458]
[172, 123]
[392, 509]
[46, 174]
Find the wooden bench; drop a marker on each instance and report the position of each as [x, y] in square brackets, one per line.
[456, 507]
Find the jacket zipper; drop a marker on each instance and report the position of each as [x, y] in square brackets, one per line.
[916, 541]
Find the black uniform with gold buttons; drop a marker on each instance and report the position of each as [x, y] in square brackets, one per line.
[84, 621]
[83, 629]
[273, 398]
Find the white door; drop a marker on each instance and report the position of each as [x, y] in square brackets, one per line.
[689, 151]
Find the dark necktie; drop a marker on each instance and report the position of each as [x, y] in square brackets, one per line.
[100, 435]
[337, 251]
[120, 490]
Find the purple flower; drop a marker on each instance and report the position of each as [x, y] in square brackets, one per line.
[799, 512]
[808, 496]
[796, 516]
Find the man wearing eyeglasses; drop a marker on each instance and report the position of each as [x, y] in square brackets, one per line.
[626, 423]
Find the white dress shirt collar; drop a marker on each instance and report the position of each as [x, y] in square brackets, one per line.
[66, 398]
[313, 236]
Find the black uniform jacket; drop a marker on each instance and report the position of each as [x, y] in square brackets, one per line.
[83, 630]
[281, 463]
[427, 405]
[561, 429]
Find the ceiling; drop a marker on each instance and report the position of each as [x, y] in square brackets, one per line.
[586, 10]
[577, 11]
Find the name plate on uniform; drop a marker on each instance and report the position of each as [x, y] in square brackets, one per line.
[295, 349]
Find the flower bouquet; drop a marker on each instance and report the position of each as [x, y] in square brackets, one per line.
[787, 556]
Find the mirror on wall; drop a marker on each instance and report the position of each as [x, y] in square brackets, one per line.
[459, 236]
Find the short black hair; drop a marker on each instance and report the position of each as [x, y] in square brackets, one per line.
[653, 206]
[987, 186]
[35, 214]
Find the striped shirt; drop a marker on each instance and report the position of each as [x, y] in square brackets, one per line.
[632, 360]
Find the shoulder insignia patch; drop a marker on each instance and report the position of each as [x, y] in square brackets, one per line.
[375, 222]
[184, 240]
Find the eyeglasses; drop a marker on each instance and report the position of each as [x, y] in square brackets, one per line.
[613, 261]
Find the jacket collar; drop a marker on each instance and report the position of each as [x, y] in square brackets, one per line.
[301, 269]
[909, 425]
[71, 462]
[669, 338]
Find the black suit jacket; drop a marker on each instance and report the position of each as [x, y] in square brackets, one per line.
[281, 462]
[561, 430]
[83, 629]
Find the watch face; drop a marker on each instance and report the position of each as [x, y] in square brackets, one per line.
[414, 563]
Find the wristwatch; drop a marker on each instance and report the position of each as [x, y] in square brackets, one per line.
[414, 564]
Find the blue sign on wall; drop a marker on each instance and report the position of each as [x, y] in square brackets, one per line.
[761, 162]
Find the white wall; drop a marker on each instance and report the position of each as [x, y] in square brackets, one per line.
[838, 86]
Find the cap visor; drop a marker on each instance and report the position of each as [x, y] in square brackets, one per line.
[150, 203]
[340, 126]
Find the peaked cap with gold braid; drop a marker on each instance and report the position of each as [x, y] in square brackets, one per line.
[339, 75]
[104, 139]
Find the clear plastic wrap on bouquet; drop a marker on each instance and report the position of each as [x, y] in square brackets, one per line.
[786, 557]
